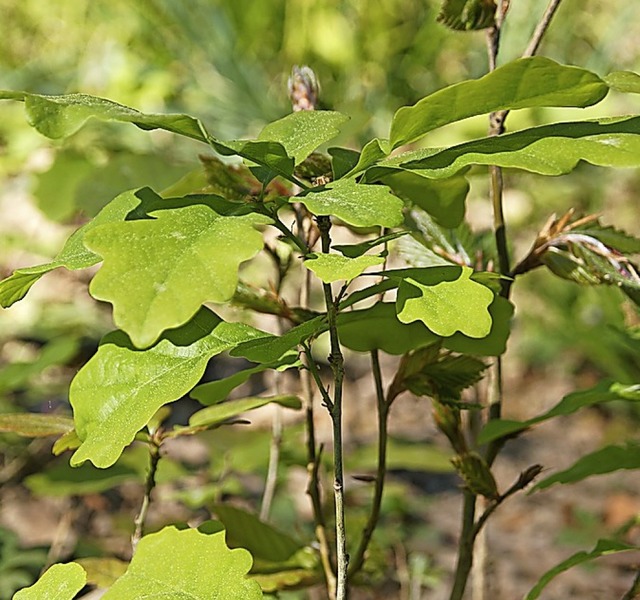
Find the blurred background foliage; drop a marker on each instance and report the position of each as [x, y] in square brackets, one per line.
[227, 62]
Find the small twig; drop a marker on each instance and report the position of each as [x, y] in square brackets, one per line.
[541, 29]
[274, 459]
[465, 546]
[150, 484]
[634, 591]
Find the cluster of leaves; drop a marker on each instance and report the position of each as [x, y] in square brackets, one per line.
[165, 256]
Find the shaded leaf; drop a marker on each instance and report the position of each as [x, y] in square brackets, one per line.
[523, 83]
[186, 564]
[102, 572]
[602, 548]
[378, 328]
[446, 300]
[476, 474]
[35, 425]
[553, 149]
[446, 377]
[600, 462]
[223, 411]
[372, 152]
[467, 15]
[302, 132]
[344, 160]
[150, 266]
[73, 255]
[120, 389]
[603, 392]
[335, 267]
[355, 250]
[60, 582]
[355, 204]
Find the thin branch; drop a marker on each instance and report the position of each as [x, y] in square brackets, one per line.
[634, 590]
[357, 561]
[541, 29]
[150, 484]
[465, 546]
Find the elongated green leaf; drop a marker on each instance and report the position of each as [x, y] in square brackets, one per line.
[185, 565]
[213, 392]
[73, 255]
[355, 250]
[467, 15]
[603, 392]
[335, 267]
[378, 328]
[627, 82]
[372, 152]
[35, 425]
[302, 132]
[445, 304]
[355, 204]
[603, 461]
[218, 413]
[602, 548]
[548, 150]
[60, 582]
[271, 348]
[523, 83]
[150, 266]
[120, 389]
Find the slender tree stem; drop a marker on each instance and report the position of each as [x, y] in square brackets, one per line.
[357, 561]
[634, 590]
[465, 546]
[150, 484]
[541, 29]
[274, 459]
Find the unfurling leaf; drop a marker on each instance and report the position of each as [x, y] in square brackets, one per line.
[476, 475]
[467, 15]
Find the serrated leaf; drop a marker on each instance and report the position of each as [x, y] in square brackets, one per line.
[446, 377]
[73, 255]
[213, 392]
[186, 564]
[270, 348]
[523, 83]
[102, 572]
[602, 548]
[335, 267]
[611, 237]
[64, 480]
[150, 266]
[476, 474]
[302, 132]
[548, 150]
[355, 204]
[35, 425]
[603, 461]
[378, 328]
[467, 15]
[60, 582]
[603, 392]
[446, 300]
[223, 411]
[120, 389]
[443, 200]
[627, 82]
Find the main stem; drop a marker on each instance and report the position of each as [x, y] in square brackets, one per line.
[336, 360]
[465, 546]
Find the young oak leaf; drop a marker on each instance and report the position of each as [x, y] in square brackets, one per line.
[60, 582]
[335, 267]
[447, 306]
[151, 265]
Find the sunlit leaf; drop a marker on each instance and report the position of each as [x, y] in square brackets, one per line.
[35, 425]
[302, 132]
[60, 582]
[186, 564]
[150, 266]
[223, 411]
[627, 82]
[120, 389]
[372, 152]
[446, 300]
[73, 255]
[335, 267]
[355, 204]
[522, 83]
[548, 150]
[602, 548]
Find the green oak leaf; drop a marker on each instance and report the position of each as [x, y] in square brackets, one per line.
[60, 582]
[302, 132]
[372, 152]
[626, 82]
[186, 565]
[73, 255]
[151, 265]
[548, 150]
[335, 267]
[522, 83]
[120, 389]
[355, 204]
[446, 305]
